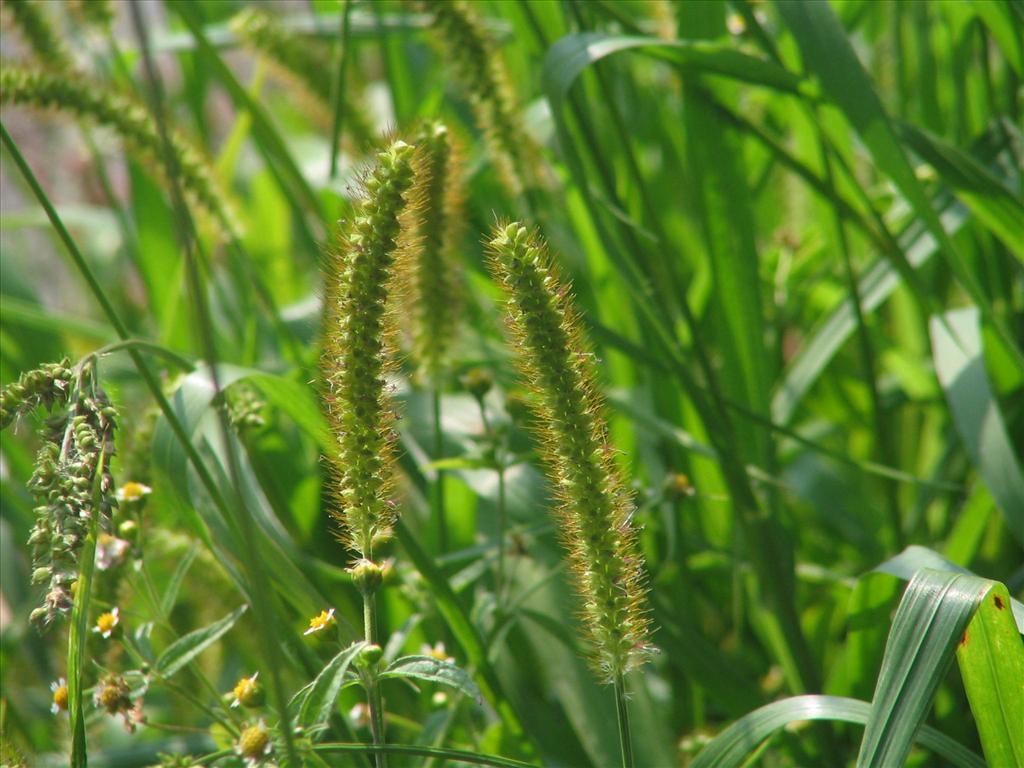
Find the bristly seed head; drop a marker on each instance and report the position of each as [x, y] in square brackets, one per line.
[357, 351]
[595, 507]
[434, 283]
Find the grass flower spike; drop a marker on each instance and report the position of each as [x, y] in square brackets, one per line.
[45, 386]
[434, 285]
[302, 58]
[77, 444]
[595, 506]
[128, 118]
[356, 352]
[478, 66]
[33, 19]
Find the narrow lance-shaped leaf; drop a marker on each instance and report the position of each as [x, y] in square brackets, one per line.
[186, 648]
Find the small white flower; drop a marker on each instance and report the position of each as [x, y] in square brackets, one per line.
[110, 551]
[60, 696]
[107, 623]
[254, 744]
[359, 715]
[132, 491]
[247, 691]
[436, 651]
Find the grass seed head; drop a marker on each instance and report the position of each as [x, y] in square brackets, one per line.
[130, 119]
[358, 350]
[33, 20]
[595, 507]
[434, 284]
[477, 65]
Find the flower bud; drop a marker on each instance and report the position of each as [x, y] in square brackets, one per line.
[369, 656]
[478, 382]
[367, 576]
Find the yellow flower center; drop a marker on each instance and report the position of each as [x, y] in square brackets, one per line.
[133, 491]
[106, 623]
[60, 698]
[321, 621]
[113, 697]
[252, 744]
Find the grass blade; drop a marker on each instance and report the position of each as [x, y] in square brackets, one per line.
[733, 746]
[929, 622]
[961, 371]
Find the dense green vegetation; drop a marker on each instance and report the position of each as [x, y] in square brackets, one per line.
[514, 382]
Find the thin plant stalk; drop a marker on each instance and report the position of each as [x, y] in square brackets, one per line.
[622, 715]
[79, 633]
[338, 85]
[261, 595]
[499, 588]
[438, 486]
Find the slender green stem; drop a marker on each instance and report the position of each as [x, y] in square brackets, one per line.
[499, 580]
[499, 576]
[173, 357]
[338, 86]
[438, 487]
[622, 712]
[373, 697]
[883, 432]
[79, 633]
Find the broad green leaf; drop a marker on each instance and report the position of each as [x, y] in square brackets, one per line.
[960, 366]
[933, 613]
[435, 671]
[187, 647]
[319, 700]
[733, 746]
[991, 657]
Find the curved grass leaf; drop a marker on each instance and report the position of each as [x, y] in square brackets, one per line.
[187, 647]
[991, 202]
[914, 558]
[568, 57]
[733, 745]
[876, 285]
[960, 366]
[930, 620]
[435, 671]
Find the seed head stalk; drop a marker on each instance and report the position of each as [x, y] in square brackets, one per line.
[357, 354]
[595, 510]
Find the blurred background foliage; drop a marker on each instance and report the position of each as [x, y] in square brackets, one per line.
[786, 264]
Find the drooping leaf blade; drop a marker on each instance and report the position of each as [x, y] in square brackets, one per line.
[183, 650]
